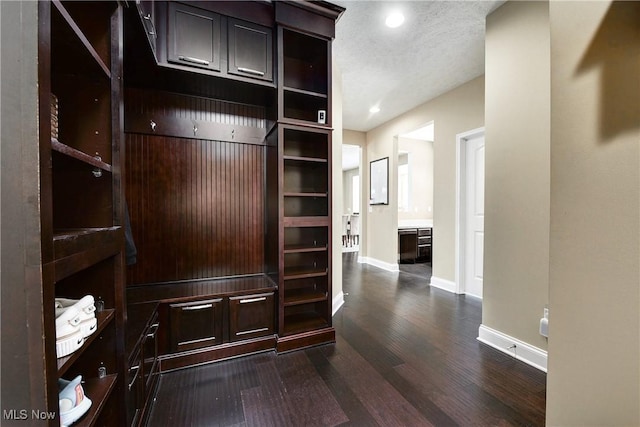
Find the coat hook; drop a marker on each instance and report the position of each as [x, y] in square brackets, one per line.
[233, 133]
[195, 130]
[153, 125]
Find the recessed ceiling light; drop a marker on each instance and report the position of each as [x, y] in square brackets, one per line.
[374, 109]
[394, 20]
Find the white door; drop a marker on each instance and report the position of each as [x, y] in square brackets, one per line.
[474, 216]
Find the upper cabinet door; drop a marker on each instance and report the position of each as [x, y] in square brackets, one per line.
[250, 50]
[193, 37]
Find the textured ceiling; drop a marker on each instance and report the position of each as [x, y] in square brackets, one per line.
[439, 47]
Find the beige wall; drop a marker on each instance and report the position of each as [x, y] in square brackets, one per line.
[421, 178]
[454, 112]
[517, 146]
[594, 343]
[336, 185]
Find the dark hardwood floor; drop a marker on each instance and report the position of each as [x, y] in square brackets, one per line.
[406, 355]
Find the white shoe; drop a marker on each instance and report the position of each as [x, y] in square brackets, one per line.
[72, 401]
[69, 335]
[86, 307]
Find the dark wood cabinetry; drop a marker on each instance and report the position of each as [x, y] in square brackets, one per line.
[195, 324]
[143, 361]
[202, 36]
[414, 245]
[251, 316]
[226, 169]
[193, 37]
[80, 81]
[147, 12]
[303, 167]
[250, 50]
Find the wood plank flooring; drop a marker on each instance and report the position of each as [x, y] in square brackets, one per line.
[406, 354]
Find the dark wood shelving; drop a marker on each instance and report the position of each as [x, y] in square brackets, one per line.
[291, 273]
[104, 318]
[303, 322]
[292, 249]
[305, 92]
[304, 159]
[98, 390]
[304, 194]
[79, 155]
[75, 250]
[307, 221]
[306, 123]
[303, 296]
[75, 29]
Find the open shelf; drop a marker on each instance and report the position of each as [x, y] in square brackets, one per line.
[290, 249]
[305, 61]
[71, 40]
[303, 322]
[304, 106]
[306, 205]
[303, 296]
[104, 318]
[77, 249]
[305, 92]
[292, 273]
[303, 159]
[79, 155]
[98, 390]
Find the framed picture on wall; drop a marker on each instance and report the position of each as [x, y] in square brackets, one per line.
[379, 182]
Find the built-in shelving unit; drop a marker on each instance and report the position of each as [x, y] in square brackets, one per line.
[81, 197]
[304, 171]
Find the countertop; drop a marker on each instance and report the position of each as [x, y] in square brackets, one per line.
[415, 223]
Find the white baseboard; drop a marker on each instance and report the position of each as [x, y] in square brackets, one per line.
[338, 301]
[525, 352]
[394, 268]
[444, 284]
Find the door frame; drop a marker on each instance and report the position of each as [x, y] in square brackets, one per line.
[461, 193]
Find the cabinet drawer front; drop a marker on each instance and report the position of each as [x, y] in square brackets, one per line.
[195, 324]
[424, 240]
[150, 354]
[424, 232]
[251, 316]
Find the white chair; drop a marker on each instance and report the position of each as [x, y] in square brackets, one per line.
[355, 229]
[345, 230]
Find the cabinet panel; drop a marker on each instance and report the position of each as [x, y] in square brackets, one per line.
[407, 245]
[150, 356]
[135, 391]
[146, 10]
[251, 316]
[193, 37]
[195, 324]
[250, 50]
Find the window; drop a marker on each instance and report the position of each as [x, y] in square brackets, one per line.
[403, 183]
[355, 194]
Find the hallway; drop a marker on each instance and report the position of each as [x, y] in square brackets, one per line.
[406, 355]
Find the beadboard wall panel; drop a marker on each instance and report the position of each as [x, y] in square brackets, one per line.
[196, 208]
[196, 205]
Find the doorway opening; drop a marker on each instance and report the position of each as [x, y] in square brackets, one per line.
[352, 200]
[415, 162]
